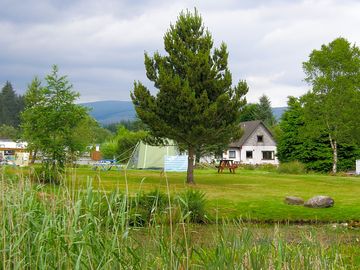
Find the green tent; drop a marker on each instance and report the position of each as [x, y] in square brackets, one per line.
[146, 156]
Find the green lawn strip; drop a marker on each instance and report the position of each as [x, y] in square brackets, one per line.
[248, 194]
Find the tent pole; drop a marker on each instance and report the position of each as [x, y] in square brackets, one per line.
[132, 154]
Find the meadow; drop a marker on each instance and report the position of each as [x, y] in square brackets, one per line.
[87, 222]
[255, 195]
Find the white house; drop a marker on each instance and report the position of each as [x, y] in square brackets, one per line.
[256, 146]
[13, 152]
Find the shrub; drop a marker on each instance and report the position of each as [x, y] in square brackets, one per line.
[48, 173]
[148, 208]
[293, 167]
[192, 204]
[247, 166]
[267, 167]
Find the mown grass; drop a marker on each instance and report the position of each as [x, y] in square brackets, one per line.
[249, 194]
[44, 227]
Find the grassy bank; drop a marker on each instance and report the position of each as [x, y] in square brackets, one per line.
[89, 228]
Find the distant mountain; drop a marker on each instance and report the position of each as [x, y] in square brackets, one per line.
[278, 112]
[113, 111]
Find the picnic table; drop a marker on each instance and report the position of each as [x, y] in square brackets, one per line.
[227, 164]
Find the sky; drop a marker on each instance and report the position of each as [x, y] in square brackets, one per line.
[100, 44]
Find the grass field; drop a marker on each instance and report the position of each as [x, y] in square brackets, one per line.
[248, 194]
[84, 224]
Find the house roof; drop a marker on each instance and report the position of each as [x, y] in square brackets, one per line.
[248, 127]
[9, 144]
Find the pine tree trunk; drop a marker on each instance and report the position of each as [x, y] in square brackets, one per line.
[190, 170]
[333, 144]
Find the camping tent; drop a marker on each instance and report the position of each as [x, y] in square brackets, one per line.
[146, 156]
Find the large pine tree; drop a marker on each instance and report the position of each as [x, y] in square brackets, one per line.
[196, 104]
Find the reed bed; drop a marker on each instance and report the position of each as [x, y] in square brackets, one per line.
[95, 229]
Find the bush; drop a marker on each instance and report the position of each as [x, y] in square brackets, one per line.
[192, 204]
[293, 167]
[148, 208]
[48, 173]
[267, 167]
[261, 167]
[247, 166]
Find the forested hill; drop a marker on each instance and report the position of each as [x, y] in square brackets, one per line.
[112, 111]
[278, 111]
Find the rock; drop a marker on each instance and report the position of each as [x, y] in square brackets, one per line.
[319, 202]
[293, 200]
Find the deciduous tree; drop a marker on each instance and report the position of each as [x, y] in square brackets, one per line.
[51, 120]
[333, 104]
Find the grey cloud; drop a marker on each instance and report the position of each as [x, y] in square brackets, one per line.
[100, 44]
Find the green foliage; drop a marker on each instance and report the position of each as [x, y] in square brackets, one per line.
[126, 141]
[132, 125]
[109, 149]
[294, 143]
[149, 208]
[259, 111]
[9, 132]
[263, 111]
[121, 145]
[332, 107]
[348, 154]
[196, 104]
[193, 206]
[52, 123]
[47, 174]
[100, 134]
[259, 167]
[248, 112]
[10, 106]
[293, 167]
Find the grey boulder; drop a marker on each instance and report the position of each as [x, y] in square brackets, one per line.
[319, 202]
[293, 200]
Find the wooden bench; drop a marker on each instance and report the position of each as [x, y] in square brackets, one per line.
[227, 164]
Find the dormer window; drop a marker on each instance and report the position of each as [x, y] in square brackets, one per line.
[260, 138]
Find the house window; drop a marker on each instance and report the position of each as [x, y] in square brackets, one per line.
[260, 138]
[9, 152]
[268, 155]
[232, 154]
[249, 154]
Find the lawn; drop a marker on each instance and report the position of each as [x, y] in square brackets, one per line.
[249, 194]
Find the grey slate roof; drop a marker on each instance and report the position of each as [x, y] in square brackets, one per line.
[248, 127]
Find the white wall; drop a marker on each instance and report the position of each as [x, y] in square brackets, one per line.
[257, 155]
[237, 154]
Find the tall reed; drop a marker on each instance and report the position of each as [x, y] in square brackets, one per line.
[90, 229]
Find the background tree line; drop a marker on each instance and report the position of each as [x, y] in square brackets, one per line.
[11, 105]
[321, 128]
